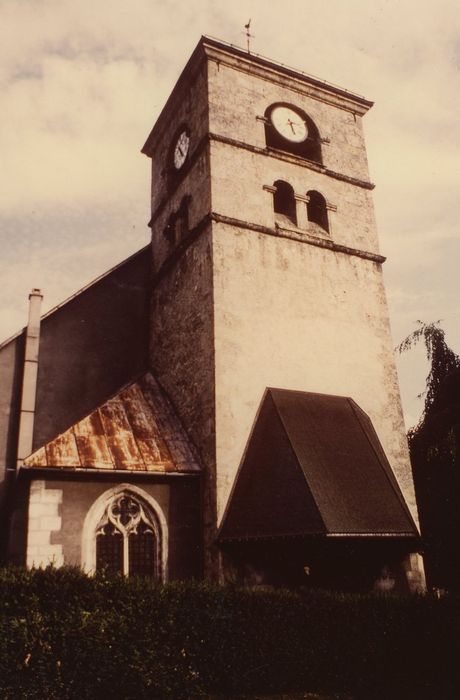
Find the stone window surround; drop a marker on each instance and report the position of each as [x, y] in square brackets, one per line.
[301, 210]
[95, 513]
[265, 120]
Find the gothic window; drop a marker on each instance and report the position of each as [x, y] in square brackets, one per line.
[290, 129]
[127, 538]
[284, 204]
[317, 210]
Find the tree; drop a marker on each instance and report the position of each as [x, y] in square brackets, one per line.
[434, 445]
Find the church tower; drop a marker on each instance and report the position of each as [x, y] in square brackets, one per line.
[266, 265]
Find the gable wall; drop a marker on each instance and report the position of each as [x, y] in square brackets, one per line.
[89, 348]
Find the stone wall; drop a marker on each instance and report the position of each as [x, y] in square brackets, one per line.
[292, 315]
[242, 304]
[90, 346]
[44, 520]
[289, 311]
[182, 355]
[58, 508]
[253, 90]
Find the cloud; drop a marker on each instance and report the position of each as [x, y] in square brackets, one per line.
[82, 83]
[62, 261]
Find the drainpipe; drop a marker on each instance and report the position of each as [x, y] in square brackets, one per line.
[29, 380]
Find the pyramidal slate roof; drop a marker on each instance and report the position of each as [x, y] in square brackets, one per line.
[136, 430]
[314, 465]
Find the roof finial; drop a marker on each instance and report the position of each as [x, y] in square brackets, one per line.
[249, 36]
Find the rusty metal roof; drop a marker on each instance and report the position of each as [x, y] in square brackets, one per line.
[136, 430]
[314, 465]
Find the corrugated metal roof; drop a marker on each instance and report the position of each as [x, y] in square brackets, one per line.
[314, 466]
[135, 430]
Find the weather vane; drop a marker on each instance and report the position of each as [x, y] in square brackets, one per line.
[249, 36]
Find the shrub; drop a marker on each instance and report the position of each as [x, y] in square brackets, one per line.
[64, 635]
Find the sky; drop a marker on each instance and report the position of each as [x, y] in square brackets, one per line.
[83, 82]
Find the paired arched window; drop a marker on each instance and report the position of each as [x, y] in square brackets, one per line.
[317, 210]
[290, 129]
[285, 207]
[125, 532]
[284, 204]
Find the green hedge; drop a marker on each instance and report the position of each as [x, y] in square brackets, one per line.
[64, 635]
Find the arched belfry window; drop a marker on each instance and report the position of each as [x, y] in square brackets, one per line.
[290, 129]
[125, 534]
[317, 210]
[284, 204]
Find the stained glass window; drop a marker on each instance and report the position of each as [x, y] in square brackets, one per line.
[127, 538]
[109, 549]
[142, 551]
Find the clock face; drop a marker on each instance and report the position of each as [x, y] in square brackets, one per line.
[289, 124]
[181, 149]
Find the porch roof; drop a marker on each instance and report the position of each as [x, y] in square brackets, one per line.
[314, 465]
[135, 430]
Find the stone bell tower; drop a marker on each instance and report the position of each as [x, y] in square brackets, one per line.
[267, 271]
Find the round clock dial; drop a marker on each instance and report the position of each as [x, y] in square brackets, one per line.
[181, 149]
[289, 124]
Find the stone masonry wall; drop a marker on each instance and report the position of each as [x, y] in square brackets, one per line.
[181, 327]
[189, 111]
[44, 520]
[182, 354]
[236, 309]
[239, 175]
[58, 508]
[237, 118]
[295, 316]
[287, 313]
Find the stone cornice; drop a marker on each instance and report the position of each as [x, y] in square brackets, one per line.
[290, 158]
[299, 237]
[93, 474]
[267, 69]
[209, 49]
[278, 232]
[268, 152]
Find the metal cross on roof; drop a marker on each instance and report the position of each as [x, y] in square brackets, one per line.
[249, 36]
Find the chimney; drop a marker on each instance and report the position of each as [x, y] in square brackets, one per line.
[29, 380]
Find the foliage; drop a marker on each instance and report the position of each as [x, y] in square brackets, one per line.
[443, 362]
[64, 635]
[435, 454]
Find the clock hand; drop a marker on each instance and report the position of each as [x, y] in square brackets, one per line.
[291, 124]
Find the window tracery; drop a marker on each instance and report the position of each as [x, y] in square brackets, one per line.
[127, 538]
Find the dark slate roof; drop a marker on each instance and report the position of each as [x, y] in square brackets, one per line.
[314, 465]
[136, 430]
